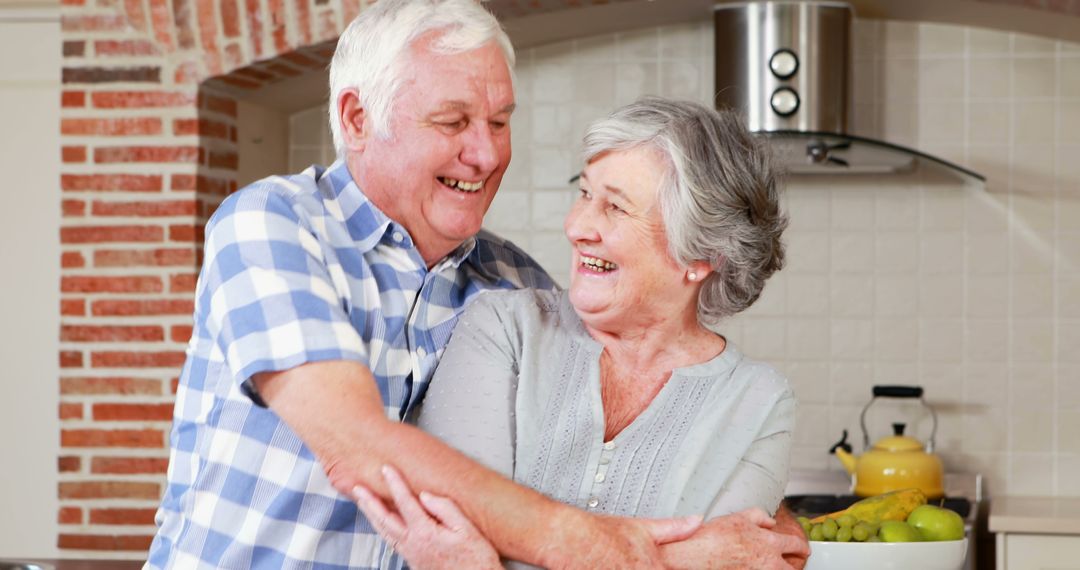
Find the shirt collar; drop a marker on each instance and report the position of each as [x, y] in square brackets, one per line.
[367, 224]
[464, 252]
[479, 252]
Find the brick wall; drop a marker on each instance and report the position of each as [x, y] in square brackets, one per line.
[148, 146]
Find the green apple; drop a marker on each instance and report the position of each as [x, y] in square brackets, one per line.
[898, 531]
[936, 523]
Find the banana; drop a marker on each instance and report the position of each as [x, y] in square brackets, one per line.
[892, 506]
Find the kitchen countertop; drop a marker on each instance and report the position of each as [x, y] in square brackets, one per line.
[1035, 515]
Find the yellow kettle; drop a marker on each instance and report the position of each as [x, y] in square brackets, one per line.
[894, 462]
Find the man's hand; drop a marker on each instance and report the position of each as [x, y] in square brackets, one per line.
[744, 540]
[786, 524]
[429, 531]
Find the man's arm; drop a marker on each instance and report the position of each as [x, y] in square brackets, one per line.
[335, 408]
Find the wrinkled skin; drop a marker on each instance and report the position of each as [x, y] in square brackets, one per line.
[787, 524]
[748, 539]
[432, 534]
[429, 531]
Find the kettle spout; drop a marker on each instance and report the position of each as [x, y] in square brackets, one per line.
[847, 460]
[842, 449]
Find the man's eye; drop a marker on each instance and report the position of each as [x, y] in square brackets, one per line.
[498, 125]
[453, 125]
[616, 208]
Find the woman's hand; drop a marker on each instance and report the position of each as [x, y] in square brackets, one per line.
[429, 531]
[786, 523]
[746, 539]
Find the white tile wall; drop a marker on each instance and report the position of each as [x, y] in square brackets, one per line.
[309, 139]
[972, 292]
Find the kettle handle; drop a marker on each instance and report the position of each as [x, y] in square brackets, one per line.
[895, 391]
[898, 391]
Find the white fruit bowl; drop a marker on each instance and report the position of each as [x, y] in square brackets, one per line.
[945, 555]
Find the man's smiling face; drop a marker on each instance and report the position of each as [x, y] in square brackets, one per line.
[448, 148]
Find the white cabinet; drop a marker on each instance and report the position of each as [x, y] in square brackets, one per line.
[1036, 533]
[1038, 552]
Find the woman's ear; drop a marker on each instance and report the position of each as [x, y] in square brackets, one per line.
[698, 271]
[351, 116]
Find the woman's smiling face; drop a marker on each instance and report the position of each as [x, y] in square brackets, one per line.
[622, 273]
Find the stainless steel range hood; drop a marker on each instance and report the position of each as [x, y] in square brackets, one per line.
[787, 66]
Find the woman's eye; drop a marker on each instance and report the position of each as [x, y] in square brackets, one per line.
[583, 193]
[616, 208]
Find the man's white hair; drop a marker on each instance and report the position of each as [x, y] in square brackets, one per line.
[373, 51]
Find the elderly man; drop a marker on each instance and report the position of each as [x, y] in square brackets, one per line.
[324, 303]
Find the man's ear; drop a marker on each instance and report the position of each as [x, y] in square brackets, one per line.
[351, 117]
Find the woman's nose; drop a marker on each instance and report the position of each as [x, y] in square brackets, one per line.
[580, 223]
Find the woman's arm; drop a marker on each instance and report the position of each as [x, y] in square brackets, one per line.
[761, 475]
[750, 536]
[469, 404]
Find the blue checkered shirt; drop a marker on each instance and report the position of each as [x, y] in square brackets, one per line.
[302, 269]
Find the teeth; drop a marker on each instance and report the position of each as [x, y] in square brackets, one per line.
[462, 185]
[597, 263]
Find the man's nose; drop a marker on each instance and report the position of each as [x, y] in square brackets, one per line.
[481, 149]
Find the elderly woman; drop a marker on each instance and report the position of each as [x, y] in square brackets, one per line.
[619, 396]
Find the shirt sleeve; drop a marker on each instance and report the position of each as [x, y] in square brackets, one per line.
[761, 474]
[470, 402]
[265, 295]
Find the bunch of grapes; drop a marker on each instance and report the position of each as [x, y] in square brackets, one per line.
[844, 528]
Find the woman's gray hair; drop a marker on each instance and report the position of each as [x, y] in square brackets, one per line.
[719, 198]
[373, 51]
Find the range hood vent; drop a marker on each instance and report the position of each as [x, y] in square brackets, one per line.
[787, 66]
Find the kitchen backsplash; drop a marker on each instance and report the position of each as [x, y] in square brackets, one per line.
[972, 292]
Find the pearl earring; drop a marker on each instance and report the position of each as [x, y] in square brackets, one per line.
[693, 276]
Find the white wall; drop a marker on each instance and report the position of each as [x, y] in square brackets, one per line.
[29, 291]
[264, 142]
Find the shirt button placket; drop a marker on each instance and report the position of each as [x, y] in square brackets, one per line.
[601, 473]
